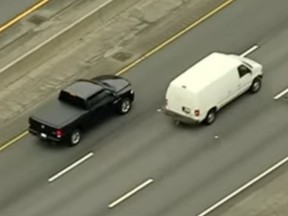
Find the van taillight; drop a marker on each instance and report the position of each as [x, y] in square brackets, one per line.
[59, 133]
[197, 112]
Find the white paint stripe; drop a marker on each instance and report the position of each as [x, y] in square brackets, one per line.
[53, 37]
[244, 187]
[281, 94]
[249, 51]
[131, 193]
[67, 169]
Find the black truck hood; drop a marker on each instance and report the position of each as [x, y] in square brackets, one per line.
[57, 114]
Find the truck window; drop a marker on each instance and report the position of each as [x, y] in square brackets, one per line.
[243, 70]
[99, 97]
[72, 99]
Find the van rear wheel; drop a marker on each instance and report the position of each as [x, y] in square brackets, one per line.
[211, 117]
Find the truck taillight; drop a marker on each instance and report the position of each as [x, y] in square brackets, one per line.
[59, 133]
[197, 112]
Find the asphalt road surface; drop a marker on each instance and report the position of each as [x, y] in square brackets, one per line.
[11, 8]
[191, 170]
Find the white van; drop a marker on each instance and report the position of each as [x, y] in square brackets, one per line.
[197, 94]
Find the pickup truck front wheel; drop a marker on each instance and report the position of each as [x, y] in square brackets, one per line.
[75, 137]
[124, 106]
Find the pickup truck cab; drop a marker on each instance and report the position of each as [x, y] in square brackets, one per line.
[78, 106]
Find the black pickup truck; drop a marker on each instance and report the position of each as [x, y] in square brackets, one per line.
[78, 106]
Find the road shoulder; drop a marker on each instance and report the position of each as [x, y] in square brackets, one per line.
[268, 197]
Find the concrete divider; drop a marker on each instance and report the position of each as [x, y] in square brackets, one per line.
[66, 37]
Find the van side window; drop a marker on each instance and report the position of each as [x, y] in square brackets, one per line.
[243, 70]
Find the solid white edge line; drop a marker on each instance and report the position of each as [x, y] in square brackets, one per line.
[131, 193]
[54, 36]
[244, 187]
[249, 51]
[67, 169]
[281, 94]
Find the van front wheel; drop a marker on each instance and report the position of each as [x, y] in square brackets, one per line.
[256, 85]
[211, 117]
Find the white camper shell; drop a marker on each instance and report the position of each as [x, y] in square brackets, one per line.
[198, 93]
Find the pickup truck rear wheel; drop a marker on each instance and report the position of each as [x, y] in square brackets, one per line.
[75, 137]
[124, 106]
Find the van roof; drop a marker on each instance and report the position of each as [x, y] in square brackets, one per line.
[206, 71]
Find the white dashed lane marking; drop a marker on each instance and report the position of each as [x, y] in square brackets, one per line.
[69, 168]
[131, 193]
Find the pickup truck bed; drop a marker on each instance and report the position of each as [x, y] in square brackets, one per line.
[52, 114]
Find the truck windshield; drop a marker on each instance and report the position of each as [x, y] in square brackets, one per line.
[72, 99]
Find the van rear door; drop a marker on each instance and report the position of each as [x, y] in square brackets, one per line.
[180, 100]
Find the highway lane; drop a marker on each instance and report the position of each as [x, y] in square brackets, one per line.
[191, 169]
[10, 9]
